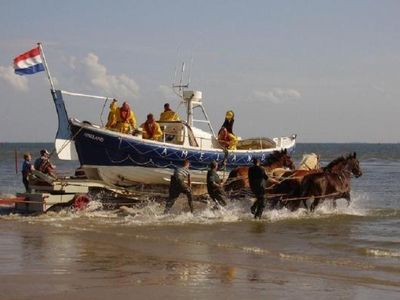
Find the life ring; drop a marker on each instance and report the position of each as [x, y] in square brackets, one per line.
[80, 201]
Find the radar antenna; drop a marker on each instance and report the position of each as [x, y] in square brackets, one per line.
[191, 99]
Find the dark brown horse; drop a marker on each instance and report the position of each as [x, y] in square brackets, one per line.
[332, 183]
[289, 187]
[238, 177]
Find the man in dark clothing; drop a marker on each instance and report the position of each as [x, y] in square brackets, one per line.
[44, 165]
[27, 168]
[229, 120]
[178, 186]
[258, 179]
[214, 185]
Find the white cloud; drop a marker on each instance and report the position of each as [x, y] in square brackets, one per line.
[111, 85]
[277, 95]
[18, 82]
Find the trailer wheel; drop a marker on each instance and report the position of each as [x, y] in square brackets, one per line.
[80, 202]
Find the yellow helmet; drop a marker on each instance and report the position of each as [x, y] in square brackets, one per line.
[229, 115]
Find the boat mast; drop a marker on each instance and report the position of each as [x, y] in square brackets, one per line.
[191, 99]
[46, 66]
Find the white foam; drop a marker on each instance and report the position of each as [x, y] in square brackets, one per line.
[382, 253]
[235, 211]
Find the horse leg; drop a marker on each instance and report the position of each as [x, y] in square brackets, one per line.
[293, 205]
[334, 204]
[310, 207]
[348, 198]
[281, 203]
[317, 193]
[305, 203]
[273, 203]
[314, 204]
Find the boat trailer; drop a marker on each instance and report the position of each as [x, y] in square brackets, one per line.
[49, 194]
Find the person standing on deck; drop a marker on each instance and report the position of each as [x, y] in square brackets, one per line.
[27, 168]
[112, 115]
[178, 186]
[229, 120]
[214, 185]
[257, 180]
[168, 114]
[226, 137]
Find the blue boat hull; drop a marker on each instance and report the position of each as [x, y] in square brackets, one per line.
[124, 159]
[97, 147]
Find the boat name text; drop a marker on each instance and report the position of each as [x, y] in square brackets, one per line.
[94, 137]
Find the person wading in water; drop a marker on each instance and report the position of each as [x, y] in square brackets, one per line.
[179, 186]
[214, 186]
[257, 180]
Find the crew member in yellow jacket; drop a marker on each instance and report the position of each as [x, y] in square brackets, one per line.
[122, 118]
[226, 139]
[229, 120]
[151, 129]
[168, 114]
[126, 120]
[112, 116]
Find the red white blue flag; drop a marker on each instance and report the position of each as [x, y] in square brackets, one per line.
[29, 62]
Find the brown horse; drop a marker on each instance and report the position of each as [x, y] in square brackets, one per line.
[238, 177]
[288, 187]
[332, 183]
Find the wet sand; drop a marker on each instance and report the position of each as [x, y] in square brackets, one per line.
[106, 255]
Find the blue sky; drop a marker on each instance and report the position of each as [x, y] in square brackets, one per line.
[326, 70]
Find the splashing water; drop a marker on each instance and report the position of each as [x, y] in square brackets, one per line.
[235, 211]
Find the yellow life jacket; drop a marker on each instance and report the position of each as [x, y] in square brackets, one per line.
[169, 115]
[125, 125]
[112, 116]
[151, 131]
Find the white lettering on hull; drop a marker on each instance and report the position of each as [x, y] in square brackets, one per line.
[94, 137]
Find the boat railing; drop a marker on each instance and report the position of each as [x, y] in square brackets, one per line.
[207, 143]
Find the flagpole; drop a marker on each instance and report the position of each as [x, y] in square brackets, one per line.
[46, 66]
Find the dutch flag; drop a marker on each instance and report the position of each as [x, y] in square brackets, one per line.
[29, 62]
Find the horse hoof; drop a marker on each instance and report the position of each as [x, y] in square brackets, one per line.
[258, 215]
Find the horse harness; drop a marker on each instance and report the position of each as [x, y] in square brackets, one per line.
[341, 176]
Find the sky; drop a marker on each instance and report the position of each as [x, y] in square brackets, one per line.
[328, 71]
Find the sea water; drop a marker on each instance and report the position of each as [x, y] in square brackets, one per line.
[347, 253]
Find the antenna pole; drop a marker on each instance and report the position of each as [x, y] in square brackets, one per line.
[46, 66]
[190, 70]
[182, 71]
